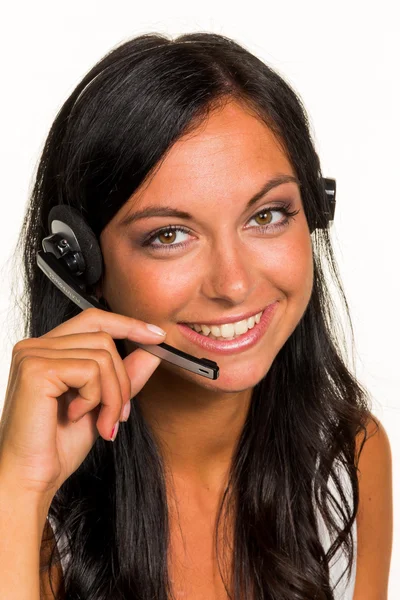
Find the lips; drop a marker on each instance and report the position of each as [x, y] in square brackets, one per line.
[226, 320]
[240, 343]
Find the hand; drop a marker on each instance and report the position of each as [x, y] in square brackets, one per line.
[72, 372]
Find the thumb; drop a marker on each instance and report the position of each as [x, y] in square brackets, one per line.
[140, 365]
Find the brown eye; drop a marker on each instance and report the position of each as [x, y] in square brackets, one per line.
[167, 236]
[265, 217]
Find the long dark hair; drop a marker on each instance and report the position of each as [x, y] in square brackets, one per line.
[305, 414]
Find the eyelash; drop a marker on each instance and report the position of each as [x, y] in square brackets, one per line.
[282, 208]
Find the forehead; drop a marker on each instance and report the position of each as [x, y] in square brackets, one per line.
[230, 155]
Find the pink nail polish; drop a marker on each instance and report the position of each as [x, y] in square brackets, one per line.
[114, 431]
[126, 411]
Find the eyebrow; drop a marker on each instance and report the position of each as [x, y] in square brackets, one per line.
[168, 211]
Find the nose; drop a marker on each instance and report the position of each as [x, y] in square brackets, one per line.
[230, 273]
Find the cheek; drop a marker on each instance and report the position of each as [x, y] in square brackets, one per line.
[166, 289]
[289, 267]
[148, 290]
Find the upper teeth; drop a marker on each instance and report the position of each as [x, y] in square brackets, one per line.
[228, 330]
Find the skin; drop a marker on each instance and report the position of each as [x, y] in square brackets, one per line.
[227, 267]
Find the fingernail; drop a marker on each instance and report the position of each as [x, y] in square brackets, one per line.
[114, 431]
[126, 411]
[156, 329]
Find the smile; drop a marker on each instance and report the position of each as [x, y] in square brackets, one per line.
[253, 331]
[228, 331]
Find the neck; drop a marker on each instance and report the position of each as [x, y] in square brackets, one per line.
[197, 429]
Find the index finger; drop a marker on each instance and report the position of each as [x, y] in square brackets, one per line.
[118, 326]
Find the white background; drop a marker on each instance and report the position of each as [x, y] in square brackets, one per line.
[343, 60]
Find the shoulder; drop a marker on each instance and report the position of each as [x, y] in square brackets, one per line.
[375, 513]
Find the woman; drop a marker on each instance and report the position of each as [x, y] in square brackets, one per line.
[192, 163]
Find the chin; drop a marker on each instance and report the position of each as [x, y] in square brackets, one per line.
[240, 378]
[234, 375]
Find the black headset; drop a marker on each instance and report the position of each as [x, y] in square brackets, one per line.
[71, 258]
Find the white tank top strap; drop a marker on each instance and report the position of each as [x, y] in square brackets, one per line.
[61, 546]
[342, 590]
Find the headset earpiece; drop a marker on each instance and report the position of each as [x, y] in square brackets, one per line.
[325, 218]
[330, 190]
[73, 242]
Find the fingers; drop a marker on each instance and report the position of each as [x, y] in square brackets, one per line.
[136, 369]
[140, 365]
[97, 329]
[72, 373]
[118, 326]
[90, 372]
[97, 340]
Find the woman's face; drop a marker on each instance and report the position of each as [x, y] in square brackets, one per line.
[231, 259]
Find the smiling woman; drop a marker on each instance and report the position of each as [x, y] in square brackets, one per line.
[193, 164]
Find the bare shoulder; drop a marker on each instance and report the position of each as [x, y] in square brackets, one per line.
[375, 513]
